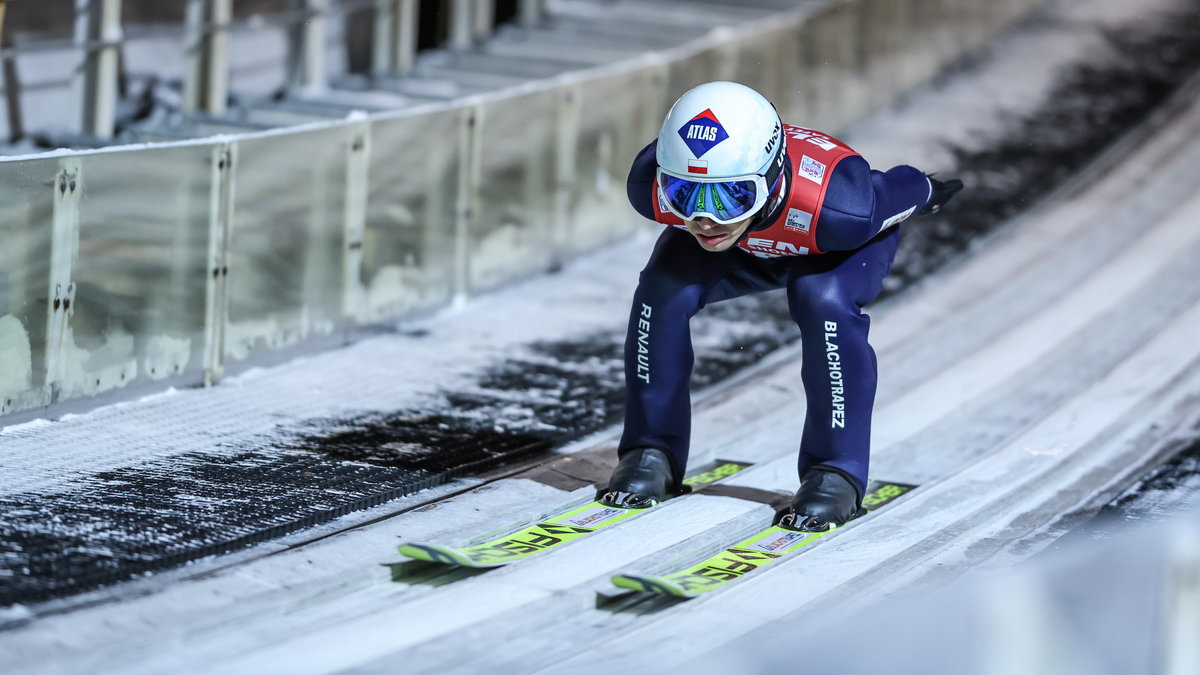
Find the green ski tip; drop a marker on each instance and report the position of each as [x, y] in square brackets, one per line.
[657, 585]
[433, 553]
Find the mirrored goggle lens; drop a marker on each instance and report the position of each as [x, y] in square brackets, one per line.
[728, 201]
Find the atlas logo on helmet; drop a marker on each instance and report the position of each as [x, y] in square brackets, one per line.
[702, 133]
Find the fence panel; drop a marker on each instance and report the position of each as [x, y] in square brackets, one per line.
[612, 131]
[409, 247]
[141, 274]
[510, 235]
[26, 211]
[286, 248]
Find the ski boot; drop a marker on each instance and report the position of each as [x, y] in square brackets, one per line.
[826, 500]
[942, 192]
[643, 478]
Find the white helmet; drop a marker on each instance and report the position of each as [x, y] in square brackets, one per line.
[720, 153]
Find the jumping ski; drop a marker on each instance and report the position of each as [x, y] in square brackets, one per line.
[749, 555]
[551, 533]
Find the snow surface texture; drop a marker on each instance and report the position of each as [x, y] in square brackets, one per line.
[1029, 380]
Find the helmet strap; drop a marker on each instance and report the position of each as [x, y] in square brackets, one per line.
[771, 176]
[776, 166]
[779, 194]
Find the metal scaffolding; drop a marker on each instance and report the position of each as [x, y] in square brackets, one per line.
[532, 12]
[470, 22]
[12, 84]
[383, 43]
[306, 45]
[98, 37]
[207, 85]
[395, 39]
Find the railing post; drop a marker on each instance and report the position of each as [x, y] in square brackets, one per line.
[395, 46]
[470, 175]
[485, 16]
[383, 29]
[532, 13]
[220, 230]
[358, 164]
[12, 84]
[208, 55]
[461, 18]
[405, 55]
[64, 248]
[566, 152]
[98, 37]
[306, 49]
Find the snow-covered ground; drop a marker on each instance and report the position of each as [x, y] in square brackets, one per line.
[1029, 380]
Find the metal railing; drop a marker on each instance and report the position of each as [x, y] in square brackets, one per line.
[167, 264]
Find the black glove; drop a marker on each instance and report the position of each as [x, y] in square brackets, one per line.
[942, 192]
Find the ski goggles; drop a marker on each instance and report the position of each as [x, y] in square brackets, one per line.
[724, 201]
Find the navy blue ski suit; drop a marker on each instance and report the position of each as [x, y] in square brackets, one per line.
[839, 369]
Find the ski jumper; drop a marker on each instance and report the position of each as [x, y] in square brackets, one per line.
[829, 239]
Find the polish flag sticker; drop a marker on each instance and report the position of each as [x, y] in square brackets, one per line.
[697, 166]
